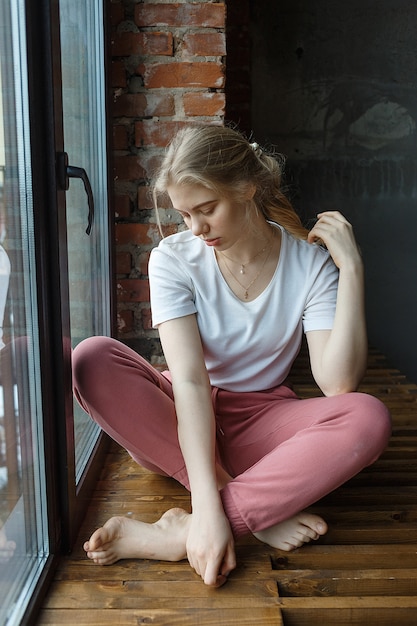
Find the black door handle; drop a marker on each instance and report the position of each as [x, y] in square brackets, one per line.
[65, 172]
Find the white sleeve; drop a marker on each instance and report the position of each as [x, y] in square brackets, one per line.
[171, 287]
[320, 306]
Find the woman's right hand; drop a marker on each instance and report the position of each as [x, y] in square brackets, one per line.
[210, 546]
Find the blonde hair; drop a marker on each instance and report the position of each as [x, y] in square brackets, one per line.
[223, 160]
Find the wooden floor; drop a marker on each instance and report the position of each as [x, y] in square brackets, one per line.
[364, 571]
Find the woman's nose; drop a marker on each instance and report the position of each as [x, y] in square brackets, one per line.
[199, 226]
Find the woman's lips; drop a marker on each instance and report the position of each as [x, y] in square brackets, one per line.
[212, 242]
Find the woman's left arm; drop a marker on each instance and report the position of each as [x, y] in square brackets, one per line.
[338, 356]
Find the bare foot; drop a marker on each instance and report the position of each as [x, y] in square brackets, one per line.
[126, 538]
[293, 532]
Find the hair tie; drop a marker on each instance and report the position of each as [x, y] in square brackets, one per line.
[256, 148]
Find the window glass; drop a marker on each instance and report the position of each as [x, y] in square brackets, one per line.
[82, 59]
[23, 525]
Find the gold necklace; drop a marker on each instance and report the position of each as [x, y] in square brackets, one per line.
[243, 265]
[246, 288]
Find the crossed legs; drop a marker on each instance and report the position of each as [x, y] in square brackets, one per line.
[266, 483]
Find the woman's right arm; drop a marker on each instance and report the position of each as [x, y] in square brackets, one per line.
[210, 546]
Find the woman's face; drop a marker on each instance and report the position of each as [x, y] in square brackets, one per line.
[216, 220]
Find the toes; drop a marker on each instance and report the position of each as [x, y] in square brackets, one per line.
[309, 533]
[101, 558]
[315, 524]
[292, 544]
[321, 528]
[98, 540]
[304, 532]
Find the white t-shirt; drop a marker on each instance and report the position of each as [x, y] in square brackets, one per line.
[248, 346]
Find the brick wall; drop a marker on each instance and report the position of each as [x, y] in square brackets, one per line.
[168, 69]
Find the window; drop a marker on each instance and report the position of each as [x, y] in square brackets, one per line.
[54, 281]
[82, 52]
[24, 533]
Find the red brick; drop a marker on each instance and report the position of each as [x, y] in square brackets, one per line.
[208, 14]
[146, 319]
[137, 234]
[150, 163]
[132, 290]
[118, 74]
[163, 202]
[128, 168]
[120, 140]
[123, 262]
[171, 75]
[140, 105]
[155, 43]
[143, 263]
[156, 133]
[203, 103]
[169, 229]
[145, 200]
[125, 321]
[151, 133]
[122, 205]
[204, 44]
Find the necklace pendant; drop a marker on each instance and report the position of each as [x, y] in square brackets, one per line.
[246, 294]
[242, 270]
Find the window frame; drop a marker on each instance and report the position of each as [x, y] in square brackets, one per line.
[66, 503]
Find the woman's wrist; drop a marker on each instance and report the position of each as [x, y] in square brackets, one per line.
[206, 499]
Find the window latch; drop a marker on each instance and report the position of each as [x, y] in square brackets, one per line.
[65, 172]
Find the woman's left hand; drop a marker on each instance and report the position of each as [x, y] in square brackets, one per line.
[338, 356]
[333, 229]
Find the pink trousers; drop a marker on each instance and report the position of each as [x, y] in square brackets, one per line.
[283, 453]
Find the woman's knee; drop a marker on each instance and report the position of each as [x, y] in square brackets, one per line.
[90, 354]
[373, 421]
[102, 365]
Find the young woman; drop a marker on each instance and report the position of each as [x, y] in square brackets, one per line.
[231, 296]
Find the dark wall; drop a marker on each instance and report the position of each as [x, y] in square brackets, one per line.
[334, 87]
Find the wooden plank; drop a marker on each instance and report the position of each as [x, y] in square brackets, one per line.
[374, 602]
[340, 557]
[130, 594]
[254, 563]
[349, 616]
[265, 616]
[363, 571]
[373, 514]
[379, 495]
[328, 583]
